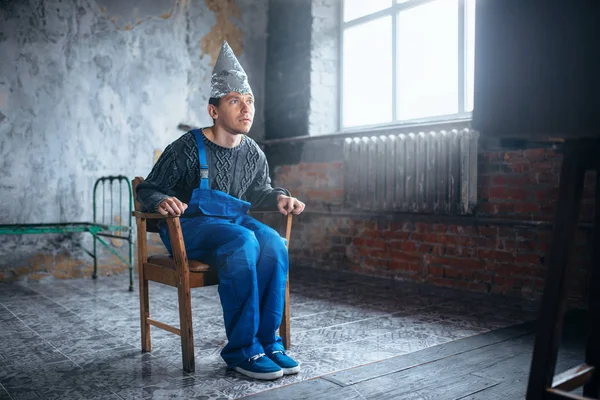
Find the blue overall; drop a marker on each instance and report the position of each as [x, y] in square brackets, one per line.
[252, 263]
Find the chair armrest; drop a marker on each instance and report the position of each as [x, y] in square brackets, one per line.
[139, 214]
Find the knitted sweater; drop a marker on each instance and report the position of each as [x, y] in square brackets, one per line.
[241, 171]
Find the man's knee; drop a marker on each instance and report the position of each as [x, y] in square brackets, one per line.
[270, 239]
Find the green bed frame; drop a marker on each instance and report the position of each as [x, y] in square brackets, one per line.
[99, 228]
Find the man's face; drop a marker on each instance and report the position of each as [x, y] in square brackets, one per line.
[235, 113]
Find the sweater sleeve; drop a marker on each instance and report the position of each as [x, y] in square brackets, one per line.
[161, 181]
[260, 193]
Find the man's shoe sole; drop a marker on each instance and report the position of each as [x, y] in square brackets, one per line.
[291, 371]
[267, 376]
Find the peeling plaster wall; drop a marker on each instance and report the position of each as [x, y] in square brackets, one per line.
[92, 88]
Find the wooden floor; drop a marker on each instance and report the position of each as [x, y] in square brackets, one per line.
[490, 366]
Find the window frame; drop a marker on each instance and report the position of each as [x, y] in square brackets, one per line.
[393, 11]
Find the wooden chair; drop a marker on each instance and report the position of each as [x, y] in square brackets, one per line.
[579, 157]
[183, 274]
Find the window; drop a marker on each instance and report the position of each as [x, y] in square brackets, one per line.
[406, 60]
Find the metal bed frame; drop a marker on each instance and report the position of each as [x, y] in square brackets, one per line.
[98, 228]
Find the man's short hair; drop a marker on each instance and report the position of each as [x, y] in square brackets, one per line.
[215, 101]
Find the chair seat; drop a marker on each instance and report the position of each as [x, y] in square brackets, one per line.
[168, 262]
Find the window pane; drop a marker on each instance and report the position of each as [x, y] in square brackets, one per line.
[427, 60]
[359, 8]
[367, 73]
[470, 53]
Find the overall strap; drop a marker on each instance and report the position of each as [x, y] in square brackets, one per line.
[202, 159]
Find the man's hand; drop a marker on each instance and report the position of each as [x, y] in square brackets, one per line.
[172, 206]
[287, 204]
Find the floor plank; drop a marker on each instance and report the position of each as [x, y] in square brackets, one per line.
[490, 366]
[400, 363]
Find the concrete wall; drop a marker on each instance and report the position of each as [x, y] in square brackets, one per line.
[302, 68]
[91, 88]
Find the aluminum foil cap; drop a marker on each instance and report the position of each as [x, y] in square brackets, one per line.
[228, 75]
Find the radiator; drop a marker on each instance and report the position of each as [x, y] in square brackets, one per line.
[421, 172]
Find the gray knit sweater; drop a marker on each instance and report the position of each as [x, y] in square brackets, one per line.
[241, 171]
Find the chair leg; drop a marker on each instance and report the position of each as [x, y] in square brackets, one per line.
[553, 301]
[185, 325]
[592, 348]
[284, 328]
[145, 314]
[143, 284]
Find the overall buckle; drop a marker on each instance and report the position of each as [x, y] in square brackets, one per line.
[204, 172]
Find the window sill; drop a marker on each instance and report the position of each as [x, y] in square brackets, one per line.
[429, 124]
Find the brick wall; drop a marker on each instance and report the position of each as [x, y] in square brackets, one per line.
[474, 254]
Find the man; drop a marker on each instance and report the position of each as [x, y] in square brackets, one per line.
[211, 178]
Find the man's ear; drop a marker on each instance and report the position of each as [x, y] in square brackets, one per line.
[212, 111]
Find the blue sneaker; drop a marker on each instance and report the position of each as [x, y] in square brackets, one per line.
[287, 364]
[259, 367]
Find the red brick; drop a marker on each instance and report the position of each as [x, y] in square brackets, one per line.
[504, 208]
[546, 178]
[452, 283]
[511, 156]
[371, 233]
[527, 258]
[488, 231]
[423, 227]
[436, 271]
[375, 262]
[404, 266]
[535, 154]
[526, 245]
[364, 251]
[541, 167]
[498, 193]
[396, 235]
[483, 242]
[451, 272]
[500, 180]
[402, 256]
[440, 228]
[466, 263]
[468, 230]
[379, 254]
[507, 245]
[499, 256]
[520, 167]
[526, 235]
[375, 243]
[485, 277]
[408, 246]
[437, 260]
[527, 208]
[424, 248]
[461, 251]
[453, 229]
[424, 237]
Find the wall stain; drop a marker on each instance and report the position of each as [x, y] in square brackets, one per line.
[224, 29]
[166, 15]
[61, 266]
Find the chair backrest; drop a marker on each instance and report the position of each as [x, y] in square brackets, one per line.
[151, 224]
